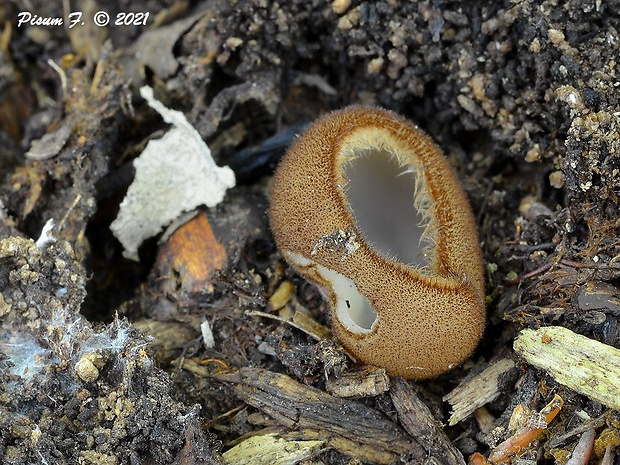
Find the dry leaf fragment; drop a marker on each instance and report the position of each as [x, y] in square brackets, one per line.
[194, 253]
[174, 174]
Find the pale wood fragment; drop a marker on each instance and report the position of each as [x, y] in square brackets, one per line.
[578, 362]
[268, 449]
[475, 392]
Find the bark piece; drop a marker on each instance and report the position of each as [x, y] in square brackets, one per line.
[295, 405]
[359, 383]
[420, 423]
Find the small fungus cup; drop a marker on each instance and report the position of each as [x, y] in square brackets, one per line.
[365, 205]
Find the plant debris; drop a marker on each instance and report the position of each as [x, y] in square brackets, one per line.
[574, 361]
[165, 185]
[347, 422]
[521, 96]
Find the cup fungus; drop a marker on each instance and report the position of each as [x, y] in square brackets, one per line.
[365, 205]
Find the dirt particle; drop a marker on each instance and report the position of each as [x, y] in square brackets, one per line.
[556, 179]
[340, 6]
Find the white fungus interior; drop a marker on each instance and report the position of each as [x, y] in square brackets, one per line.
[381, 195]
[352, 309]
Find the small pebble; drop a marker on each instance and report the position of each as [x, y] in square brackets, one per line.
[86, 369]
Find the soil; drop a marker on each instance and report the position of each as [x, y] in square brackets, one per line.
[181, 355]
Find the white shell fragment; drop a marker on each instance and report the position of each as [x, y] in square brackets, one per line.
[46, 236]
[207, 335]
[174, 174]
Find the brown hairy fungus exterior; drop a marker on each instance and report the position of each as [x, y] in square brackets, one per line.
[425, 319]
